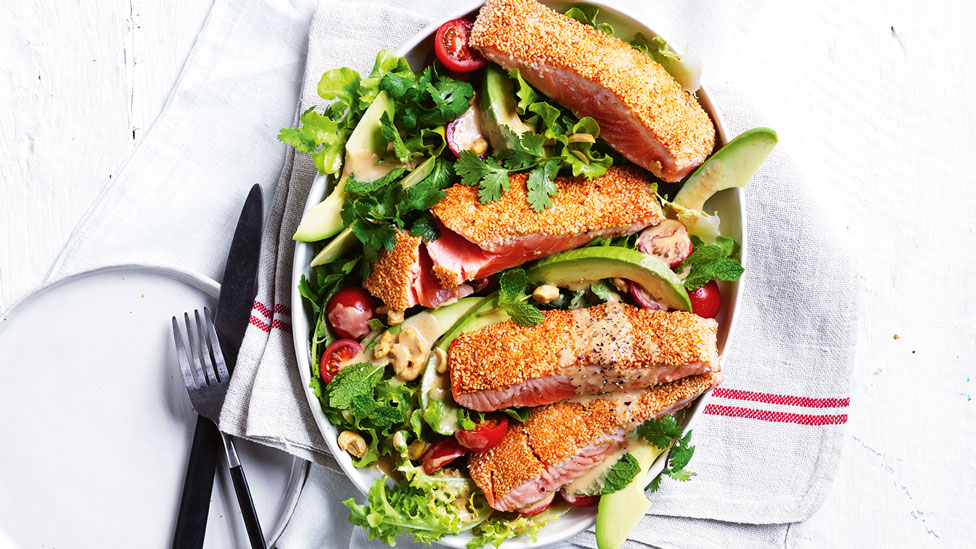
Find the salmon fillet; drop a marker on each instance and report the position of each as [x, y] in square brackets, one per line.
[606, 348]
[560, 442]
[404, 277]
[478, 240]
[642, 111]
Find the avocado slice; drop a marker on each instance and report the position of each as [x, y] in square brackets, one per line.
[363, 149]
[732, 166]
[619, 512]
[577, 269]
[497, 108]
[336, 248]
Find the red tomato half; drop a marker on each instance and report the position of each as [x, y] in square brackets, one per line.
[349, 312]
[451, 46]
[668, 240]
[580, 501]
[485, 436]
[440, 454]
[706, 301]
[337, 355]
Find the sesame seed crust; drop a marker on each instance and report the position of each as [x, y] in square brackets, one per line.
[393, 271]
[600, 76]
[621, 199]
[555, 433]
[616, 337]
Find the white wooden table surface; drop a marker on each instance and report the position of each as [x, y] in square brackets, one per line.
[875, 103]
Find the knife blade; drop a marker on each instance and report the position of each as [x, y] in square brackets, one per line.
[234, 304]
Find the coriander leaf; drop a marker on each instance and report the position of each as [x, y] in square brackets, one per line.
[518, 414]
[352, 381]
[512, 285]
[471, 168]
[392, 135]
[655, 484]
[681, 453]
[515, 160]
[375, 235]
[621, 474]
[680, 475]
[540, 187]
[355, 186]
[530, 142]
[493, 186]
[425, 228]
[523, 314]
[660, 432]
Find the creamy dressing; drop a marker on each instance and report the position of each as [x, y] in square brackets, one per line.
[467, 132]
[591, 482]
[365, 165]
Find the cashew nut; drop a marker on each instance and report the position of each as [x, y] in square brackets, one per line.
[383, 345]
[394, 317]
[547, 293]
[620, 283]
[408, 354]
[352, 443]
[441, 360]
[398, 441]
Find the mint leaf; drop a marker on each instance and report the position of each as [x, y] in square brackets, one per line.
[712, 262]
[523, 314]
[353, 381]
[355, 186]
[392, 135]
[621, 474]
[512, 285]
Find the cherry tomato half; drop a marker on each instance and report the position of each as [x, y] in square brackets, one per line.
[643, 299]
[577, 500]
[440, 454]
[485, 436]
[451, 46]
[349, 312]
[538, 507]
[337, 355]
[706, 301]
[667, 240]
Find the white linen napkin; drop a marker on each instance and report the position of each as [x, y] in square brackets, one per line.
[769, 442]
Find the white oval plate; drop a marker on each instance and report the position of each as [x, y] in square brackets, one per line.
[97, 425]
[729, 203]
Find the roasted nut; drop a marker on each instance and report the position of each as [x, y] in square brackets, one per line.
[479, 146]
[416, 449]
[620, 283]
[352, 443]
[547, 293]
[409, 354]
[398, 441]
[581, 138]
[441, 360]
[383, 345]
[394, 317]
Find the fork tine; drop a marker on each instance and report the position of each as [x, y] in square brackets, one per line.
[214, 344]
[195, 358]
[188, 380]
[205, 359]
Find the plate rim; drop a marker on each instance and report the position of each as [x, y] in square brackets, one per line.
[299, 467]
[301, 324]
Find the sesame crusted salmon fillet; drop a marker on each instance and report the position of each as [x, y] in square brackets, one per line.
[605, 348]
[478, 240]
[560, 442]
[404, 277]
[642, 111]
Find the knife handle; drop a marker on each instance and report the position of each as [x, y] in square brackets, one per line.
[191, 522]
[250, 516]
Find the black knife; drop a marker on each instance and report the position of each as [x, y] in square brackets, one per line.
[237, 291]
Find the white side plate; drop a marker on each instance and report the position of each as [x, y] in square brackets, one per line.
[97, 425]
[730, 204]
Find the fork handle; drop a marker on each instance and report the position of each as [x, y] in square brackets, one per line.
[191, 522]
[251, 523]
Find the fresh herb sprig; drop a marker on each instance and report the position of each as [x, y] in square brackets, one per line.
[620, 474]
[586, 14]
[513, 299]
[712, 262]
[665, 433]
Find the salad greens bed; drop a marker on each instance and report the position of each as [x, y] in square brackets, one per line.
[391, 415]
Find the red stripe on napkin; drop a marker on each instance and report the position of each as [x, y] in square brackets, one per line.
[776, 417]
[275, 325]
[767, 398]
[262, 308]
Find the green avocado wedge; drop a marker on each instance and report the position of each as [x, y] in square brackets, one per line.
[583, 266]
[619, 512]
[732, 166]
[497, 105]
[363, 148]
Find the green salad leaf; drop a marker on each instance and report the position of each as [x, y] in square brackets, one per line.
[586, 14]
[498, 528]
